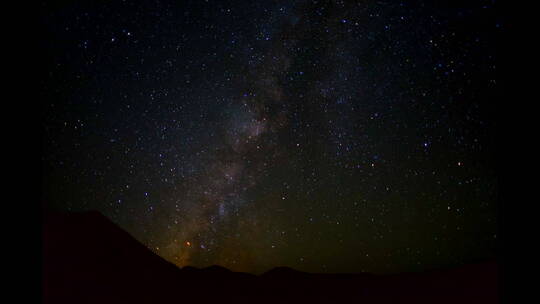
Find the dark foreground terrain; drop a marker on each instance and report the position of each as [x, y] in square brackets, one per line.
[88, 259]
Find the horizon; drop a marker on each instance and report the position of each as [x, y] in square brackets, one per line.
[438, 268]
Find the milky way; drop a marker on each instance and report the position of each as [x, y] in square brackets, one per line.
[327, 136]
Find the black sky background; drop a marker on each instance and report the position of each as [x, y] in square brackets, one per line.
[328, 136]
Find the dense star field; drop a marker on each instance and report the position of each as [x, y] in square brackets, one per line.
[327, 136]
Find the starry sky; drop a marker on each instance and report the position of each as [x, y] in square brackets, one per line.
[326, 136]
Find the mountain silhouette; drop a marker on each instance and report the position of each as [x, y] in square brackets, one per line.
[89, 259]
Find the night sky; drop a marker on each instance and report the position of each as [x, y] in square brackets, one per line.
[327, 136]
